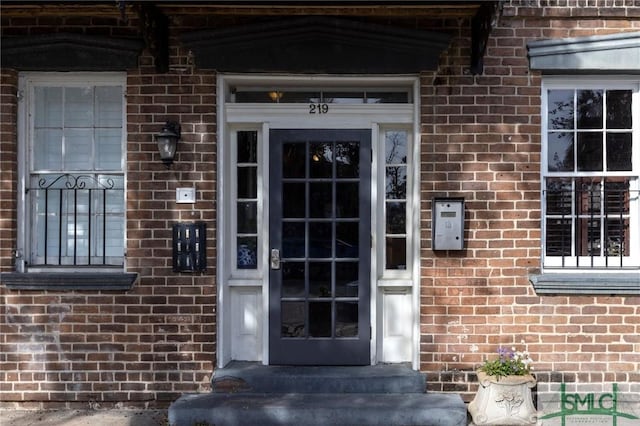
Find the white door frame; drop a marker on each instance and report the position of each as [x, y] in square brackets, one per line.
[242, 297]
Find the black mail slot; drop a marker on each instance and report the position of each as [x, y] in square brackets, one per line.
[189, 247]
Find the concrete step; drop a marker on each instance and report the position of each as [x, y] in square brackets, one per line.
[257, 378]
[318, 409]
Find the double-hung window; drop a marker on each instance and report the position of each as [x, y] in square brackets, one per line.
[72, 201]
[590, 171]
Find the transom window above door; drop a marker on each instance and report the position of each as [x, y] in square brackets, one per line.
[315, 95]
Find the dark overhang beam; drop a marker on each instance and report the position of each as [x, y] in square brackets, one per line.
[481, 25]
[154, 26]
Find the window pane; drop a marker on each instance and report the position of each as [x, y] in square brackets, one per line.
[48, 107]
[590, 109]
[396, 147]
[590, 196]
[559, 197]
[343, 97]
[78, 145]
[47, 149]
[247, 217]
[589, 151]
[247, 147]
[617, 196]
[247, 182]
[109, 149]
[109, 106]
[588, 237]
[396, 182]
[396, 218]
[396, 253]
[558, 237]
[619, 109]
[560, 152]
[619, 151]
[561, 109]
[617, 232]
[78, 107]
[246, 257]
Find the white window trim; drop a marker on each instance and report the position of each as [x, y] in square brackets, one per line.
[26, 83]
[554, 279]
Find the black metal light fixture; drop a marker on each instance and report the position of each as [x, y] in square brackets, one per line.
[167, 141]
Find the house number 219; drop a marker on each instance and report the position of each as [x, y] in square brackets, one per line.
[318, 108]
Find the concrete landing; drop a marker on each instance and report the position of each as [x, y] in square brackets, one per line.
[252, 394]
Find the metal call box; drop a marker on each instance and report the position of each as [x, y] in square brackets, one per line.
[447, 224]
[189, 247]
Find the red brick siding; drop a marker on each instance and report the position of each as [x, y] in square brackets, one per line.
[481, 140]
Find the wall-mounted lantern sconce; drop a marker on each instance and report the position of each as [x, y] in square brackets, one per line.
[167, 141]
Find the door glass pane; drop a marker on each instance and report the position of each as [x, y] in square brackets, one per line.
[320, 199]
[320, 160]
[293, 279]
[347, 160]
[293, 200]
[347, 279]
[347, 239]
[346, 319]
[247, 253]
[320, 319]
[293, 241]
[293, 318]
[320, 239]
[347, 200]
[320, 279]
[293, 160]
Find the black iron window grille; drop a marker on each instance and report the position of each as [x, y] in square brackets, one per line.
[587, 221]
[78, 220]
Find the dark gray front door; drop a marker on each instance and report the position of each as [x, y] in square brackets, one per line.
[320, 232]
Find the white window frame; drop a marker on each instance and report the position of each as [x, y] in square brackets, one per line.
[26, 85]
[581, 263]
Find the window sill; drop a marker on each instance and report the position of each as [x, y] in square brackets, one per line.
[68, 281]
[586, 283]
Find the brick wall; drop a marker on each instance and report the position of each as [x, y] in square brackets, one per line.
[147, 346]
[481, 141]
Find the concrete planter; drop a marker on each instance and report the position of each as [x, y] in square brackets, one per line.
[504, 400]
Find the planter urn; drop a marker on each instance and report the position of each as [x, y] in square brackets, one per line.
[504, 400]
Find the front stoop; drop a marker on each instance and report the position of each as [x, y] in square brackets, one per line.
[252, 394]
